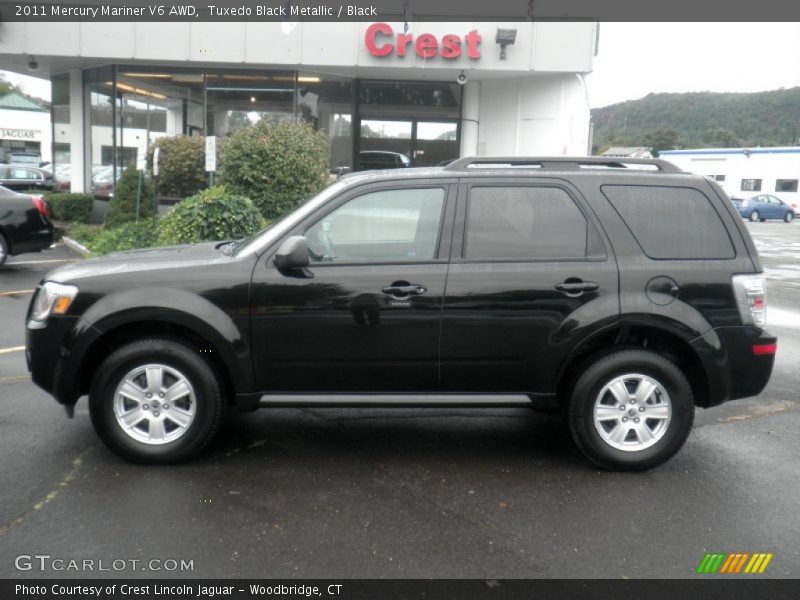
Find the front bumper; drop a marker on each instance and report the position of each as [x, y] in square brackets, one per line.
[54, 350]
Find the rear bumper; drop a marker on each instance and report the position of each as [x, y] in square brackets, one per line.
[733, 368]
[34, 241]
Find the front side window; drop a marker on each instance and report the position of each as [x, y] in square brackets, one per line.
[751, 185]
[382, 226]
[527, 223]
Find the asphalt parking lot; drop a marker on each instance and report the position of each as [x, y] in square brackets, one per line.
[403, 493]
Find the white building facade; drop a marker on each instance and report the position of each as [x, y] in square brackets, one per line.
[24, 127]
[745, 172]
[429, 91]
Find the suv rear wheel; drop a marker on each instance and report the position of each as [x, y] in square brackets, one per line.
[631, 410]
[155, 401]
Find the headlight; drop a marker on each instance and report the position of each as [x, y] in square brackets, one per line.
[53, 298]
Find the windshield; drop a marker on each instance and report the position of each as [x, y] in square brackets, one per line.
[259, 241]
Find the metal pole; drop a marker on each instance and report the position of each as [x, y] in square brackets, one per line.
[138, 196]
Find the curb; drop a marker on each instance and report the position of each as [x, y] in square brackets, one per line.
[76, 246]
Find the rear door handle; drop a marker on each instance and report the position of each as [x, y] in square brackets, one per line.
[408, 289]
[576, 288]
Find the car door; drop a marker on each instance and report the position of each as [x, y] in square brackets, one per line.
[530, 276]
[365, 315]
[776, 208]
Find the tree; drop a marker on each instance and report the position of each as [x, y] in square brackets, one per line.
[725, 138]
[122, 207]
[663, 138]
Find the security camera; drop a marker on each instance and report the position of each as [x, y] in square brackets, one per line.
[33, 64]
[462, 78]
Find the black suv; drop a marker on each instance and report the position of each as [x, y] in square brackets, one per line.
[623, 292]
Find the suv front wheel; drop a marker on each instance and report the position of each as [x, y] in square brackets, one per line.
[631, 410]
[155, 401]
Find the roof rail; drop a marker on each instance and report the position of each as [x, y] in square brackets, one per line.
[560, 163]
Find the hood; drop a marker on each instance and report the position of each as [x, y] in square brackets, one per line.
[138, 261]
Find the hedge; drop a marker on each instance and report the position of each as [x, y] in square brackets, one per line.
[70, 207]
[213, 214]
[277, 165]
[181, 165]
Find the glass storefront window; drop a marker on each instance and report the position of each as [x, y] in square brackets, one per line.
[395, 124]
[326, 103]
[154, 102]
[62, 168]
[407, 124]
[99, 89]
[236, 99]
[409, 99]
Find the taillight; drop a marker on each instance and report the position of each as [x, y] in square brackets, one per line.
[40, 205]
[751, 298]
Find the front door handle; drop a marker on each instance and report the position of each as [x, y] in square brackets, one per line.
[404, 289]
[575, 287]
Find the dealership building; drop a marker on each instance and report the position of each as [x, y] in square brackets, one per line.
[428, 91]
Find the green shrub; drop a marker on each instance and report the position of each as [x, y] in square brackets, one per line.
[181, 165]
[122, 207]
[70, 207]
[213, 214]
[129, 236]
[278, 165]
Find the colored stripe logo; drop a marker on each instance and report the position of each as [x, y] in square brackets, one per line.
[734, 563]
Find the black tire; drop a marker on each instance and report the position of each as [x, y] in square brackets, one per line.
[789, 216]
[3, 250]
[589, 386]
[208, 400]
[754, 216]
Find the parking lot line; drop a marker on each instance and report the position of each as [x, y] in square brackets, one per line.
[10, 350]
[41, 262]
[17, 293]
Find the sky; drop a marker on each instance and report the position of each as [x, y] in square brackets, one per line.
[635, 59]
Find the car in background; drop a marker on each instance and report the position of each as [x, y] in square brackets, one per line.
[23, 177]
[24, 226]
[763, 207]
[33, 159]
[370, 160]
[103, 181]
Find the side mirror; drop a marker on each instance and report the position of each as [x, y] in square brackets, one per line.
[293, 253]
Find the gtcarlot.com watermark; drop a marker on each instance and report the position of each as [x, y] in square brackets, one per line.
[48, 563]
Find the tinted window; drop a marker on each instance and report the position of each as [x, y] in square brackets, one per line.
[751, 185]
[786, 185]
[388, 225]
[526, 223]
[671, 222]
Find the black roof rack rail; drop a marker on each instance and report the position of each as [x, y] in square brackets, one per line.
[560, 163]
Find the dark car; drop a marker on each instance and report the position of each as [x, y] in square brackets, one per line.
[370, 160]
[24, 226]
[763, 207]
[25, 177]
[562, 284]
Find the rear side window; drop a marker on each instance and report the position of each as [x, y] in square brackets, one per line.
[527, 223]
[671, 222]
